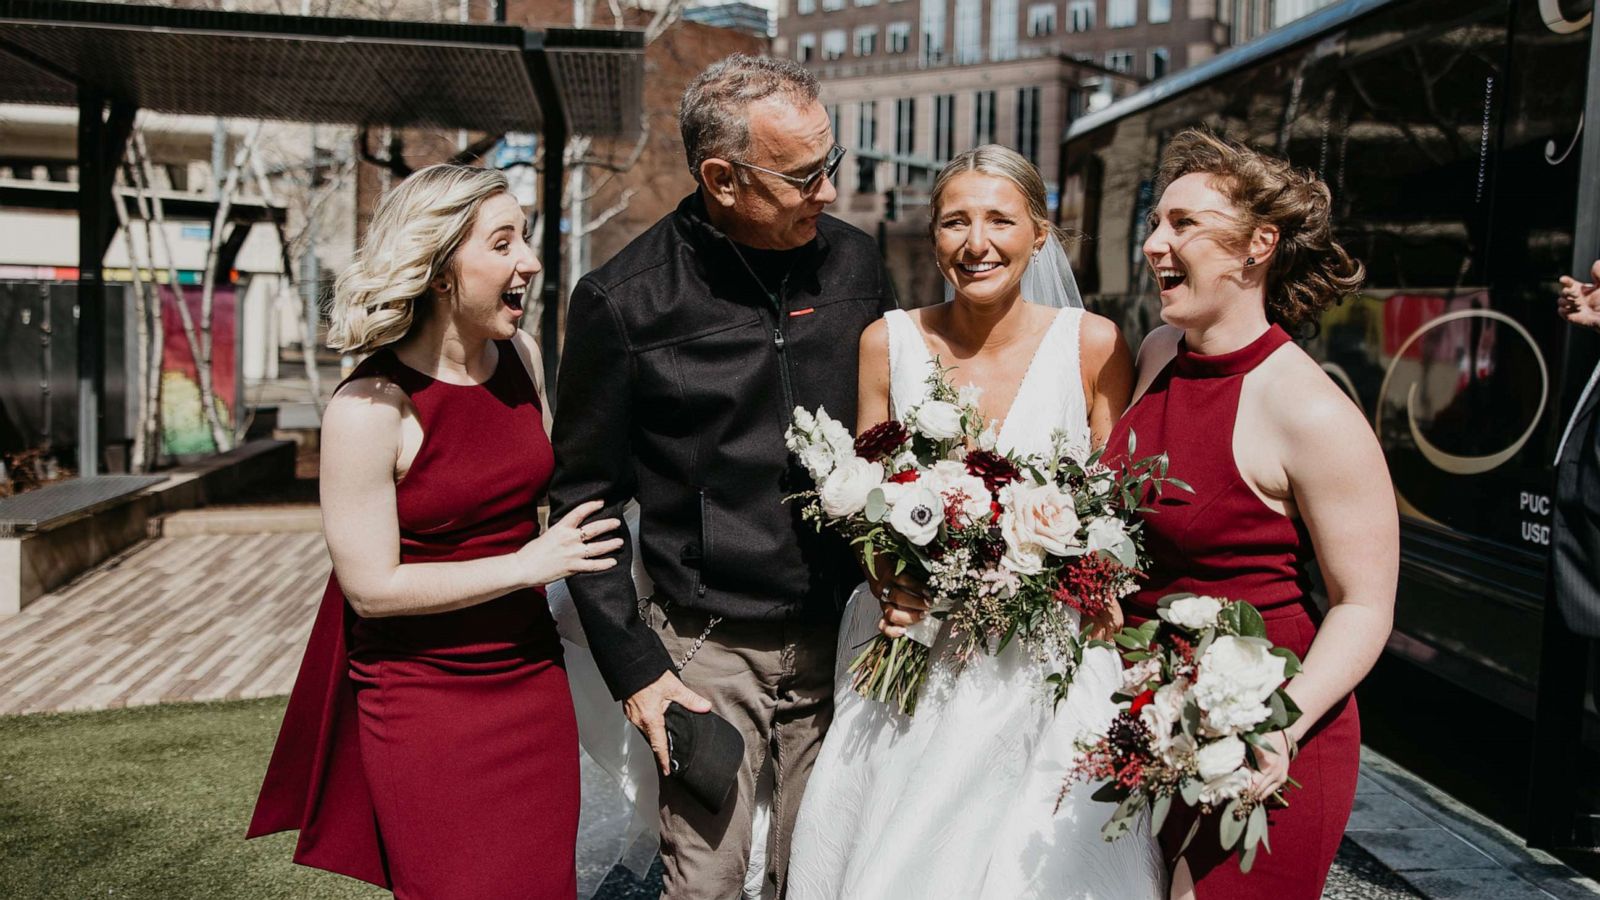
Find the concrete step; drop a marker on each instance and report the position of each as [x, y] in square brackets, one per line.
[242, 520]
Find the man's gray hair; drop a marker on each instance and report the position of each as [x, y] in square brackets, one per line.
[713, 115]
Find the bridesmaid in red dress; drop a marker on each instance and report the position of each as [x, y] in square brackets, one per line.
[430, 745]
[1284, 468]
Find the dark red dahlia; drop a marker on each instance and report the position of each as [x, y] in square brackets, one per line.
[995, 470]
[880, 442]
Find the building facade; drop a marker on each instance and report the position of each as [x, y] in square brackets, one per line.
[910, 83]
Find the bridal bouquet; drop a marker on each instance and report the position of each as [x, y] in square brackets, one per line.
[1202, 684]
[1006, 545]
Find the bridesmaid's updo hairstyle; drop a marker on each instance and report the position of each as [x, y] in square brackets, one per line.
[411, 240]
[999, 162]
[1308, 271]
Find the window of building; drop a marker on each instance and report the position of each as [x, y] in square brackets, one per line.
[805, 48]
[866, 139]
[867, 40]
[932, 31]
[805, 7]
[1002, 29]
[833, 44]
[1159, 11]
[899, 37]
[867, 125]
[983, 117]
[1116, 60]
[905, 135]
[1041, 20]
[833, 119]
[944, 127]
[1028, 123]
[1119, 13]
[865, 2]
[1160, 62]
[830, 5]
[1080, 15]
[969, 31]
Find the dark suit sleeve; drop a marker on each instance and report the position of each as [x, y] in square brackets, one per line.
[594, 460]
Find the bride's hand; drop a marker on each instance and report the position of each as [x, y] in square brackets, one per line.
[1106, 625]
[902, 602]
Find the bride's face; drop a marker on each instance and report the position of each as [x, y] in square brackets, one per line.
[984, 237]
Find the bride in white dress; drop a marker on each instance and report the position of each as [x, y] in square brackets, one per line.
[960, 800]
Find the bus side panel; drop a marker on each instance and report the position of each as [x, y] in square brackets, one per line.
[1441, 129]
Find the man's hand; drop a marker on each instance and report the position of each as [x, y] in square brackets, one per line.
[647, 708]
[1579, 302]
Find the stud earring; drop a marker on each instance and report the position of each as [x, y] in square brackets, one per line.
[1249, 261]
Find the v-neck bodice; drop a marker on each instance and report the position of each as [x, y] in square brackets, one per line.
[1048, 399]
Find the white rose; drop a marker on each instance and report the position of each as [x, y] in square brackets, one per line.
[817, 459]
[1105, 533]
[837, 436]
[939, 420]
[1179, 752]
[951, 481]
[1233, 681]
[1040, 517]
[1136, 676]
[916, 514]
[1193, 613]
[1228, 787]
[1220, 757]
[844, 493]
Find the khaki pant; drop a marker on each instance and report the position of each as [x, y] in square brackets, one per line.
[774, 682]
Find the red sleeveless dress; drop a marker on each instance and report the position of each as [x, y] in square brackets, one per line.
[437, 755]
[1223, 541]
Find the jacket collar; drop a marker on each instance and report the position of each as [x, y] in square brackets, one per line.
[720, 258]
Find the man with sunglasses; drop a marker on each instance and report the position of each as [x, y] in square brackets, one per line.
[686, 355]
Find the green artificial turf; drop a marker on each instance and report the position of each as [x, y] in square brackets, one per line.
[146, 803]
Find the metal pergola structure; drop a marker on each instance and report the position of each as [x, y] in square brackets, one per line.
[110, 60]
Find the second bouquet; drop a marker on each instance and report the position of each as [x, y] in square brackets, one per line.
[1010, 548]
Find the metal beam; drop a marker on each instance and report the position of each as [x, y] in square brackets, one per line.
[94, 196]
[553, 181]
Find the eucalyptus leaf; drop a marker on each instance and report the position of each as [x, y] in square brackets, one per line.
[1190, 791]
[1279, 717]
[1229, 826]
[877, 506]
[1247, 859]
[1256, 828]
[1158, 812]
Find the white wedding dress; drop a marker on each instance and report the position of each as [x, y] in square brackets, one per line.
[959, 801]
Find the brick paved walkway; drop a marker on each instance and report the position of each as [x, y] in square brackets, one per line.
[205, 617]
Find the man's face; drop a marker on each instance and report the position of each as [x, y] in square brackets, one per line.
[768, 212]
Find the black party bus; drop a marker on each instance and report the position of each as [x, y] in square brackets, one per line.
[1451, 133]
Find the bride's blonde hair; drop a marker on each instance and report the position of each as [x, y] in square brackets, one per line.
[411, 240]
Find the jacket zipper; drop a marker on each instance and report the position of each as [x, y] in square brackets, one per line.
[700, 571]
[778, 340]
[779, 343]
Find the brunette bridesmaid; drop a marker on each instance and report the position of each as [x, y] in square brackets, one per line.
[1284, 469]
[429, 745]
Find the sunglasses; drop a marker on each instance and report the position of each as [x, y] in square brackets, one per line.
[809, 184]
